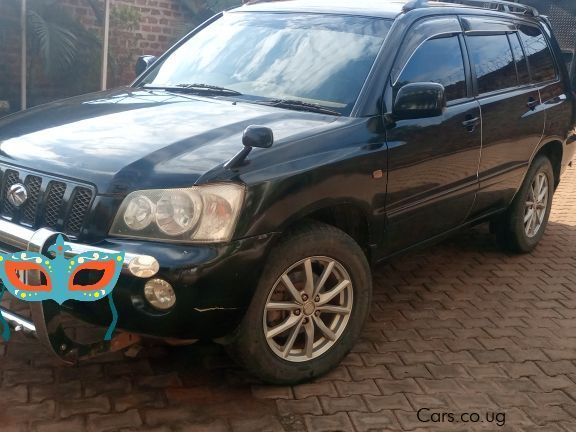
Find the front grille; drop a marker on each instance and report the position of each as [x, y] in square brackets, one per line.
[51, 203]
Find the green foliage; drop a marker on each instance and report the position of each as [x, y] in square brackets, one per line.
[55, 38]
[125, 17]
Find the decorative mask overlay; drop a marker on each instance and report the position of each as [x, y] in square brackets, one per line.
[57, 280]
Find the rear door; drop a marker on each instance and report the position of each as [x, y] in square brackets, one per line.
[544, 67]
[433, 162]
[512, 114]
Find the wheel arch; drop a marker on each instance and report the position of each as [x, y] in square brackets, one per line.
[350, 217]
[553, 149]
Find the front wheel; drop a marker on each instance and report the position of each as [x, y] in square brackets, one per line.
[308, 308]
[523, 226]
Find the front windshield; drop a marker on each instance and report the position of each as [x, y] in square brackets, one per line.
[313, 58]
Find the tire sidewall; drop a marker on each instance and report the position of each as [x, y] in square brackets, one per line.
[541, 165]
[259, 358]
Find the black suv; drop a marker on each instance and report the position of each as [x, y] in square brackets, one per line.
[256, 171]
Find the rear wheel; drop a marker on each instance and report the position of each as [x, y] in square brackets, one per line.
[523, 225]
[308, 309]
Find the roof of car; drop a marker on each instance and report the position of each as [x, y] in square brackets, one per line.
[377, 8]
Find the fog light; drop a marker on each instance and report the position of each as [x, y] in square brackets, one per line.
[143, 266]
[159, 294]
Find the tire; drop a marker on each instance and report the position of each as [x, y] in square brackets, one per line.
[272, 359]
[510, 229]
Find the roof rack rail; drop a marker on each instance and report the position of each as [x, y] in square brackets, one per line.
[499, 5]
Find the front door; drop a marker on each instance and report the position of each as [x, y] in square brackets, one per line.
[433, 162]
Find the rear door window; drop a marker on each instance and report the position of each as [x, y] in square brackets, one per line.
[520, 59]
[540, 57]
[493, 62]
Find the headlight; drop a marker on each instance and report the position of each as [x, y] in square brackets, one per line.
[139, 213]
[197, 214]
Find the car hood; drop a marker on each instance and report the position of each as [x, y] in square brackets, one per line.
[130, 138]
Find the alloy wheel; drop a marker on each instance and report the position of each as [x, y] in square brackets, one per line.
[536, 205]
[308, 309]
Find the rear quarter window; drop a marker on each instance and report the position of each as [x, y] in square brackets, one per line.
[540, 58]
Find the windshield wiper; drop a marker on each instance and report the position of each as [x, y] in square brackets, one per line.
[197, 88]
[298, 105]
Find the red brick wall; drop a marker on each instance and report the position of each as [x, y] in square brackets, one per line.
[160, 23]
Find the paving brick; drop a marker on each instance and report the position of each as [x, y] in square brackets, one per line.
[22, 413]
[75, 424]
[359, 373]
[447, 371]
[556, 397]
[27, 376]
[445, 385]
[359, 387]
[548, 384]
[413, 371]
[544, 415]
[408, 385]
[561, 367]
[517, 370]
[303, 391]
[113, 422]
[267, 423]
[388, 402]
[272, 392]
[379, 359]
[364, 422]
[138, 399]
[493, 356]
[331, 405]
[117, 385]
[14, 395]
[339, 422]
[161, 416]
[419, 357]
[309, 405]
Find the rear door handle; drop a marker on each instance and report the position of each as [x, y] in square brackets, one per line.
[471, 123]
[532, 103]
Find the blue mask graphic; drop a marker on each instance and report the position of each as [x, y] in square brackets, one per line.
[59, 276]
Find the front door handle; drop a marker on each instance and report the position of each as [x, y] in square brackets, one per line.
[532, 104]
[471, 123]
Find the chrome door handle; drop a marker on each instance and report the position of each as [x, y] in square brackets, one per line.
[471, 123]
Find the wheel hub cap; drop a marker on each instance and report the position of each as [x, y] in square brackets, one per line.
[309, 308]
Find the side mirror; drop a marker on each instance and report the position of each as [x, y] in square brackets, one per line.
[253, 136]
[258, 136]
[143, 63]
[419, 100]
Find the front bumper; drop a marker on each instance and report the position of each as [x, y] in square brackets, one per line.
[213, 284]
[45, 324]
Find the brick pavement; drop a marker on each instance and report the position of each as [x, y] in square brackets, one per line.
[460, 327]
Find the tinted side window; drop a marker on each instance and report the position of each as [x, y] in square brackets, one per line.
[492, 59]
[539, 56]
[520, 58]
[440, 61]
